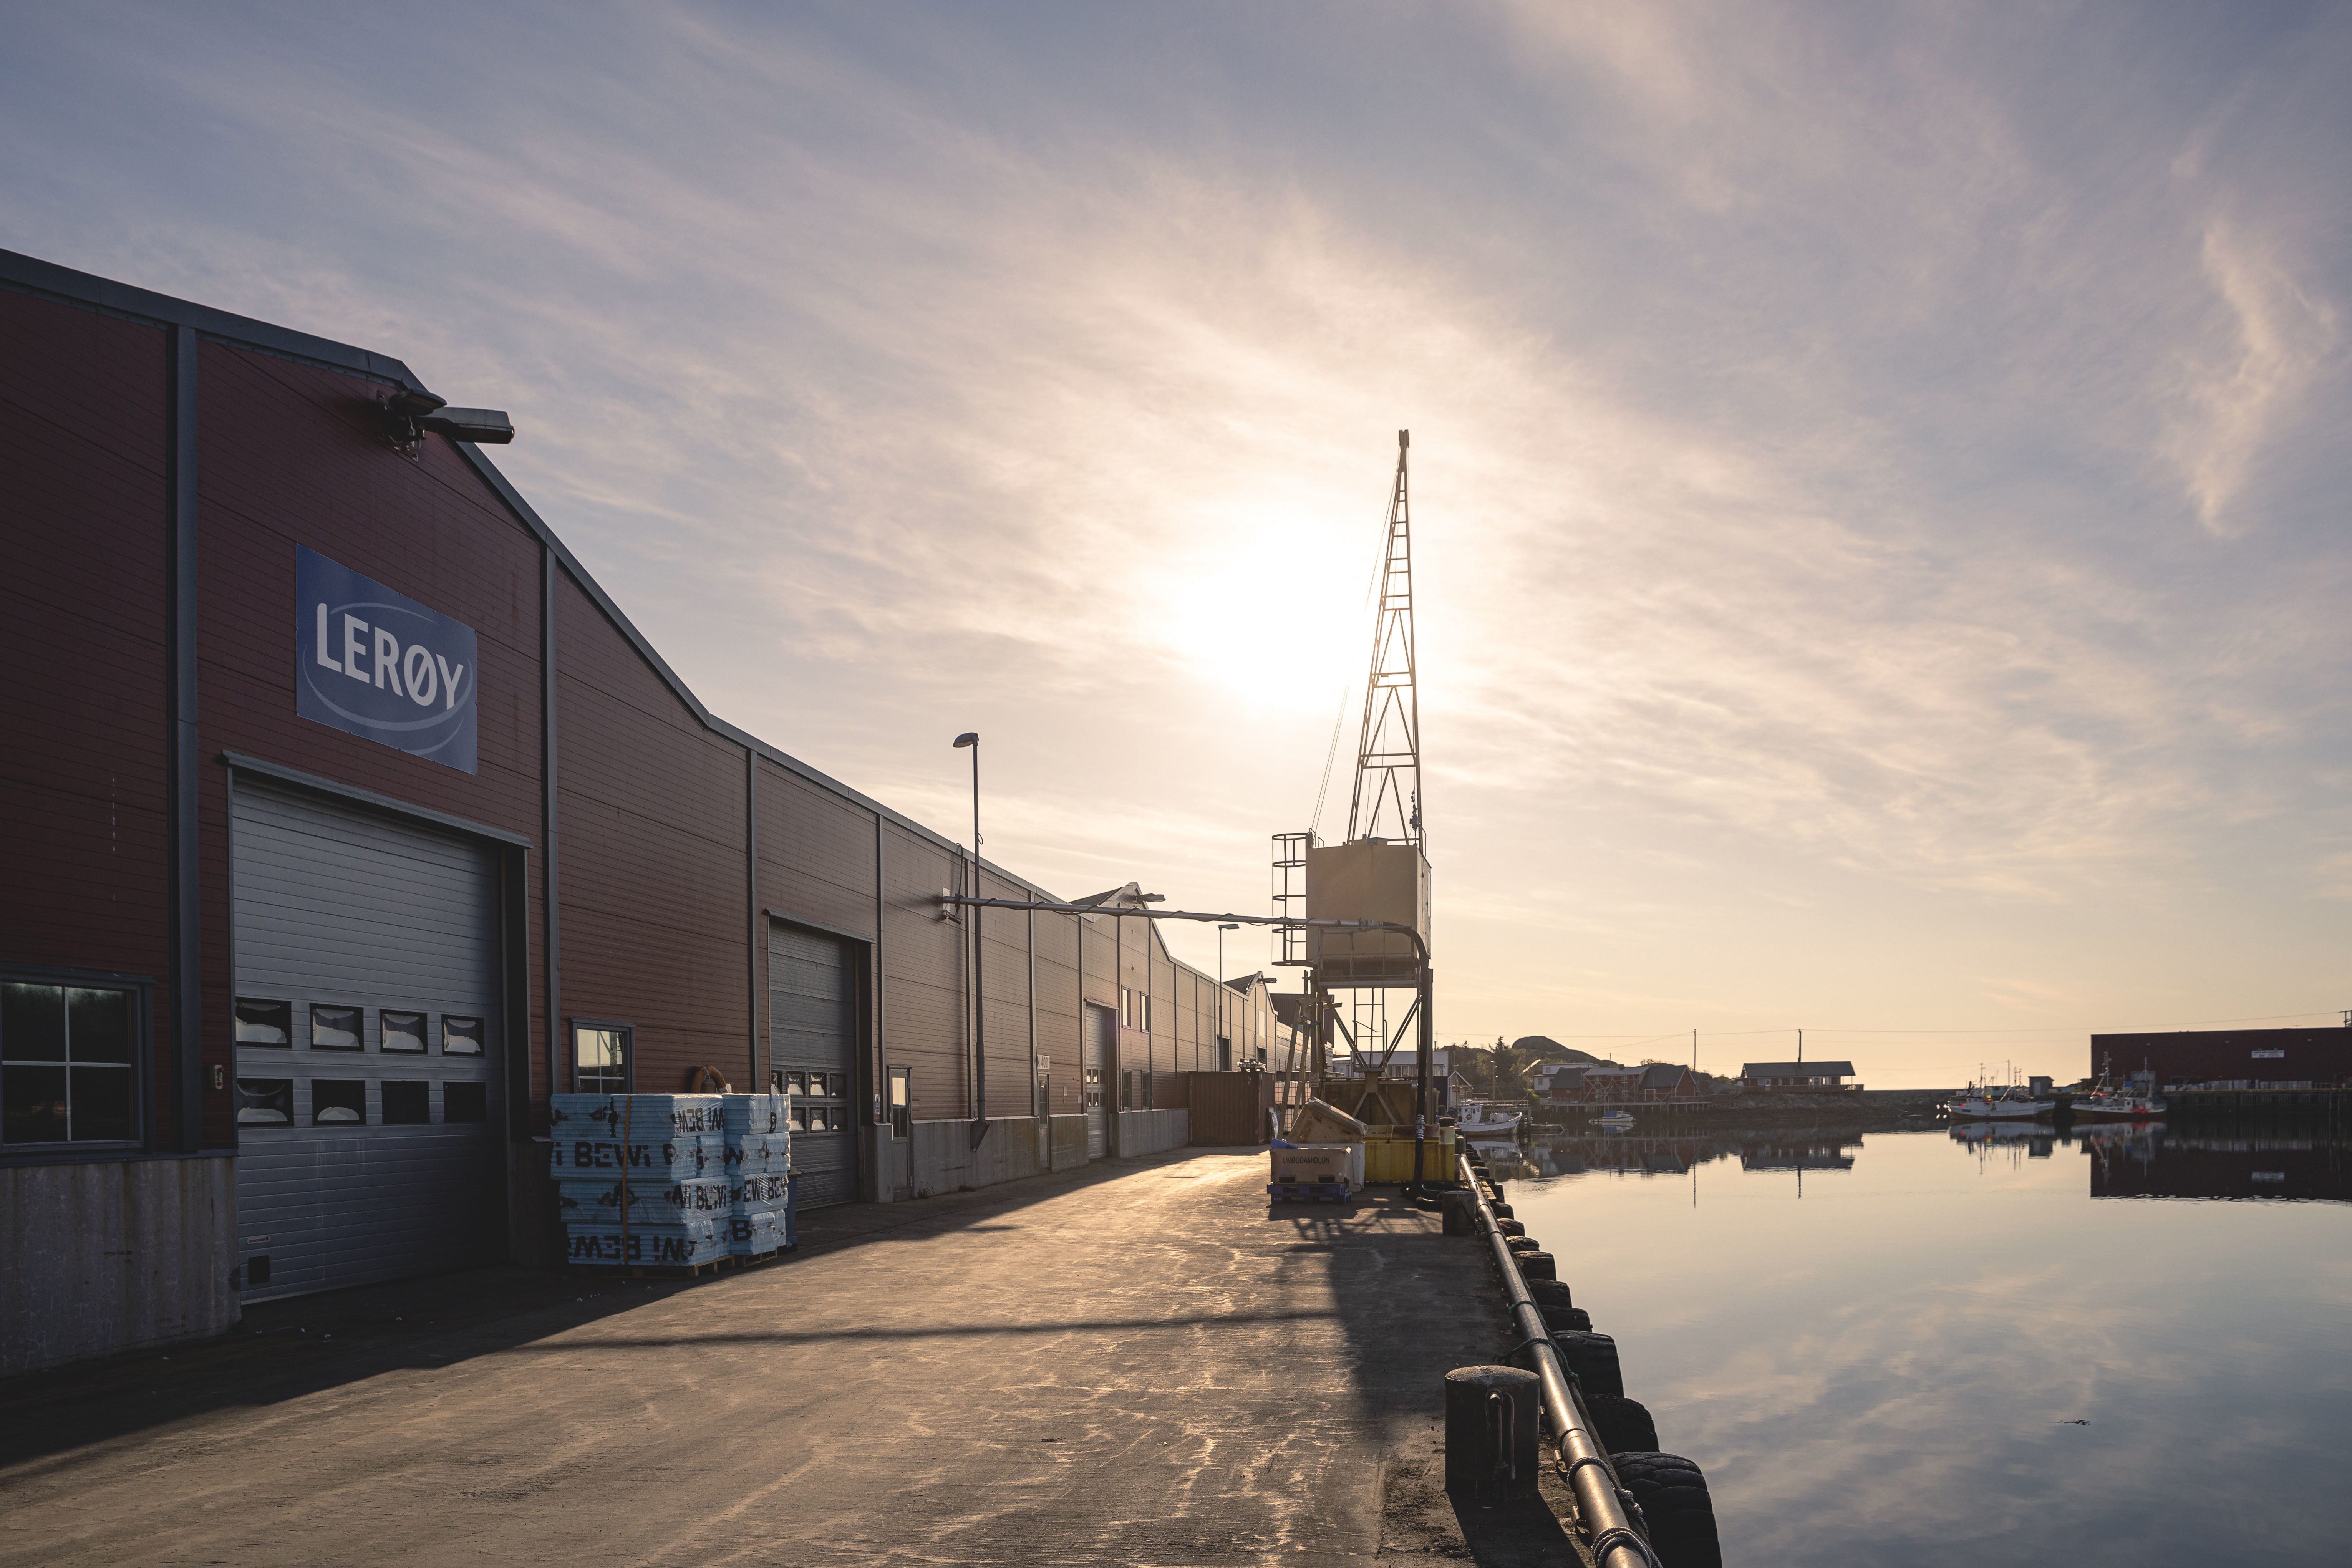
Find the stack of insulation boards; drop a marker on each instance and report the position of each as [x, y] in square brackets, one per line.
[758, 1155]
[642, 1178]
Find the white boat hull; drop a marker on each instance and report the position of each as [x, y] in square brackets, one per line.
[2001, 1109]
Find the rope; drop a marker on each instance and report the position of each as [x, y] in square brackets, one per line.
[1609, 1541]
[1544, 1339]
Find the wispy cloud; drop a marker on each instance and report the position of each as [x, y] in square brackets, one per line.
[1847, 486]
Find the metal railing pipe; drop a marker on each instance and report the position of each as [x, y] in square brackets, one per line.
[1608, 1520]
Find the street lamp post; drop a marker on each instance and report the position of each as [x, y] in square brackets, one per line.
[1223, 1034]
[971, 738]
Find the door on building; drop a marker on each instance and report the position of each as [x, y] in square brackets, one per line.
[368, 1095]
[1102, 1028]
[812, 1056]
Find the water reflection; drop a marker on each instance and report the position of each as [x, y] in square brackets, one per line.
[1954, 1348]
[2151, 1161]
[2161, 1162]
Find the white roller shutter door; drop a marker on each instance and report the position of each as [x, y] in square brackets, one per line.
[396, 924]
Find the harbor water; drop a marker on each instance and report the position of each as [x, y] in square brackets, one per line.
[1965, 1346]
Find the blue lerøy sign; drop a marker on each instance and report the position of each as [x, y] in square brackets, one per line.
[379, 664]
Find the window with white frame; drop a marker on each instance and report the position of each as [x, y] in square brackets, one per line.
[68, 1064]
[599, 1057]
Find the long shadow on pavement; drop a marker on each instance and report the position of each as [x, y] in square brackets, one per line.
[286, 1349]
[1416, 1304]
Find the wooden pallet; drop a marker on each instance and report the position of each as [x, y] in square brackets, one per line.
[652, 1270]
[1308, 1192]
[679, 1270]
[754, 1260]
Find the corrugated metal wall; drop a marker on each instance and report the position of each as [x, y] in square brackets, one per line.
[664, 866]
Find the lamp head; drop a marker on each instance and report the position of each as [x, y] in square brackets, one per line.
[1230, 927]
[969, 738]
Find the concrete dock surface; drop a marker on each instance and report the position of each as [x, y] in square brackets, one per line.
[1141, 1362]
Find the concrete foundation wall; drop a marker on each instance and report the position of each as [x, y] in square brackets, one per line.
[96, 1258]
[945, 1161]
[1069, 1141]
[1149, 1132]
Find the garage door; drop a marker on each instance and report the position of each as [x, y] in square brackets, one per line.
[367, 1045]
[813, 1053]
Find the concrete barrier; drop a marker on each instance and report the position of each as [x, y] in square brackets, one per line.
[112, 1255]
[1150, 1132]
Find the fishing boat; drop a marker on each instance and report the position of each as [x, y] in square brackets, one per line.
[2120, 1105]
[1487, 1119]
[2005, 1102]
[1616, 1120]
[2134, 1101]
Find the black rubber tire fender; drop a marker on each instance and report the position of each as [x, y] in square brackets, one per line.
[1593, 1358]
[1551, 1293]
[1675, 1505]
[1566, 1320]
[1621, 1423]
[1511, 1227]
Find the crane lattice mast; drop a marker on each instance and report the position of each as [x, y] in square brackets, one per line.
[1388, 752]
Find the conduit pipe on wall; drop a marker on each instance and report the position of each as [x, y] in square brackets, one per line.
[1609, 1522]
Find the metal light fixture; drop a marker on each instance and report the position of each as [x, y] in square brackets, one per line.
[413, 411]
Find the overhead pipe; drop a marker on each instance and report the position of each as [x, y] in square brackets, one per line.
[1601, 1502]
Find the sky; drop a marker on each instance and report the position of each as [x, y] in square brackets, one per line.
[1878, 470]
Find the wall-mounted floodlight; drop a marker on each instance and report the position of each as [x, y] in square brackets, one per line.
[413, 411]
[486, 426]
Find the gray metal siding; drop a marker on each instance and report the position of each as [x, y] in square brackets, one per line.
[812, 1030]
[340, 906]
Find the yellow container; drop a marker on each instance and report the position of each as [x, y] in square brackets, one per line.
[1391, 1159]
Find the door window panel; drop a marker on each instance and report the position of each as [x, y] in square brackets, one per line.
[336, 1028]
[407, 1103]
[464, 1102]
[820, 1101]
[263, 1023]
[400, 1031]
[264, 1102]
[461, 1037]
[338, 1102]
